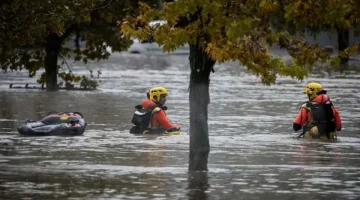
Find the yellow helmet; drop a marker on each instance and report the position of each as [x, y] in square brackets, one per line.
[313, 90]
[156, 92]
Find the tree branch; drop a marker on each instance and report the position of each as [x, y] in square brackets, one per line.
[68, 31]
[86, 11]
[62, 57]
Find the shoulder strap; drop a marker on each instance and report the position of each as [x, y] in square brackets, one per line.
[306, 105]
[156, 109]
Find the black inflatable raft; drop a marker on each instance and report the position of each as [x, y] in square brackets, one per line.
[64, 124]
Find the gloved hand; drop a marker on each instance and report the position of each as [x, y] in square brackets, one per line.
[173, 130]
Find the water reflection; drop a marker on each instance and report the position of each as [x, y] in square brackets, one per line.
[254, 153]
[198, 186]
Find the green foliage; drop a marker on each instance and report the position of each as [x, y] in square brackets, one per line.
[319, 14]
[244, 30]
[26, 26]
[88, 83]
[69, 77]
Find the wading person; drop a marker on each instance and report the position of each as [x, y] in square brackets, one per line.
[150, 116]
[318, 117]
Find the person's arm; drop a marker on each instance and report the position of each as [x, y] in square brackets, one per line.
[337, 119]
[163, 121]
[300, 119]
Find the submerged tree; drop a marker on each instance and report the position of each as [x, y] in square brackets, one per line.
[33, 33]
[227, 30]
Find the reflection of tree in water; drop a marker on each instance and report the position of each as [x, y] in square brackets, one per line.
[6, 103]
[90, 185]
[19, 106]
[198, 185]
[7, 112]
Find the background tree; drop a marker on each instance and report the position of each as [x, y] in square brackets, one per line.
[227, 30]
[334, 16]
[33, 33]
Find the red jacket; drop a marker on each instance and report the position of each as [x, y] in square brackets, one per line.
[304, 116]
[158, 118]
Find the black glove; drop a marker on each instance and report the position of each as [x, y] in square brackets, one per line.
[296, 127]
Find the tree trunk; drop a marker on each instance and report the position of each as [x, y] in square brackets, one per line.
[201, 66]
[53, 44]
[343, 43]
[198, 185]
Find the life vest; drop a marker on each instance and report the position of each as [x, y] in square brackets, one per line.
[322, 120]
[142, 121]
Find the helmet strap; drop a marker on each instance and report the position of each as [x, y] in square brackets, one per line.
[309, 96]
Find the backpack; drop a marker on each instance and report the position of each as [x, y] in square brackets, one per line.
[141, 117]
[322, 117]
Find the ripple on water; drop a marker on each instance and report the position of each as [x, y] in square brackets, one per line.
[254, 152]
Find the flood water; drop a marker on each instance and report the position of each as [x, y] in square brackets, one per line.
[254, 152]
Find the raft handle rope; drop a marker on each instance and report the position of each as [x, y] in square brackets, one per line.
[79, 114]
[60, 113]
